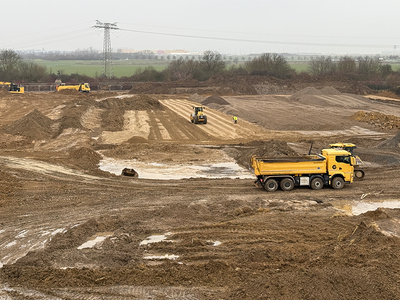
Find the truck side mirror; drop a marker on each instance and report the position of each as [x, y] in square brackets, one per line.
[353, 160]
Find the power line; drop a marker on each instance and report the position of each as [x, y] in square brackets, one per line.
[107, 60]
[260, 41]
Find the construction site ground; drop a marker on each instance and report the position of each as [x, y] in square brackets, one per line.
[193, 225]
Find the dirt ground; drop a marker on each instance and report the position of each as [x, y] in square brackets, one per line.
[69, 229]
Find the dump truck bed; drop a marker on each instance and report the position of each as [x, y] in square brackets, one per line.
[289, 165]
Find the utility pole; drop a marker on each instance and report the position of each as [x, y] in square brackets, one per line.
[107, 70]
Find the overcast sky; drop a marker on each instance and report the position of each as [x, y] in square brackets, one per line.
[226, 26]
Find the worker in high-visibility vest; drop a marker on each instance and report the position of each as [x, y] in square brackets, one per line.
[234, 119]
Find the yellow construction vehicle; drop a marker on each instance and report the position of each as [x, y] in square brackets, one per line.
[358, 172]
[82, 87]
[198, 116]
[13, 88]
[333, 167]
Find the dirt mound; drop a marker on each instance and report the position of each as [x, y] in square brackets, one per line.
[69, 122]
[244, 153]
[329, 90]
[215, 99]
[70, 92]
[378, 119]
[138, 102]
[4, 92]
[196, 98]
[34, 126]
[136, 139]
[305, 92]
[309, 95]
[84, 158]
[393, 142]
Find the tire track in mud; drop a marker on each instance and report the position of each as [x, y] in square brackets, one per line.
[114, 293]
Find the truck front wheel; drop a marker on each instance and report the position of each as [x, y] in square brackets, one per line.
[271, 185]
[287, 184]
[337, 183]
[317, 183]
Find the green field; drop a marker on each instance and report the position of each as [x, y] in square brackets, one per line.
[93, 68]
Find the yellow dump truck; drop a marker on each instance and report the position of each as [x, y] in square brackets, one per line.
[332, 167]
[13, 88]
[82, 87]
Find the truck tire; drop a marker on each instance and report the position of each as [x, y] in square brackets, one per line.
[196, 119]
[205, 120]
[317, 183]
[271, 185]
[287, 184]
[359, 174]
[337, 183]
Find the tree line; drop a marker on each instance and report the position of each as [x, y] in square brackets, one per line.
[15, 68]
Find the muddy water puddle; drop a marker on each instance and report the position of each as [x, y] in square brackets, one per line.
[363, 206]
[181, 171]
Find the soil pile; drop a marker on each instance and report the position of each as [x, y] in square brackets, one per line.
[70, 92]
[139, 102]
[329, 90]
[85, 158]
[270, 148]
[196, 98]
[215, 99]
[34, 126]
[305, 93]
[393, 142]
[4, 92]
[378, 119]
[113, 116]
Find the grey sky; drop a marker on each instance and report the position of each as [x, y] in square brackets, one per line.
[227, 26]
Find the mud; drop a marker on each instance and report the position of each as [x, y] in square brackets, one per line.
[72, 231]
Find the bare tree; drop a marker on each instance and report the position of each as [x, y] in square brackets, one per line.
[322, 65]
[9, 61]
[346, 65]
[182, 69]
[212, 63]
[369, 66]
[269, 64]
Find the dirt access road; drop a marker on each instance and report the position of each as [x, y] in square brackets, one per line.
[71, 231]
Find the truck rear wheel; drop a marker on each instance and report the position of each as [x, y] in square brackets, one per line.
[271, 185]
[317, 183]
[287, 184]
[337, 183]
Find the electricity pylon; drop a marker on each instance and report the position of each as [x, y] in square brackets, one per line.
[107, 70]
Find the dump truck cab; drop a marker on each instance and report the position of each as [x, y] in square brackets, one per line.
[198, 116]
[358, 172]
[339, 163]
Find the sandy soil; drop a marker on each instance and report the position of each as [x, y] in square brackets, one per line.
[72, 231]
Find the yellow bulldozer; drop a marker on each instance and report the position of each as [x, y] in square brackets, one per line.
[198, 116]
[13, 88]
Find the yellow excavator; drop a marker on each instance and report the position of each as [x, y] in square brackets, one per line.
[198, 116]
[13, 88]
